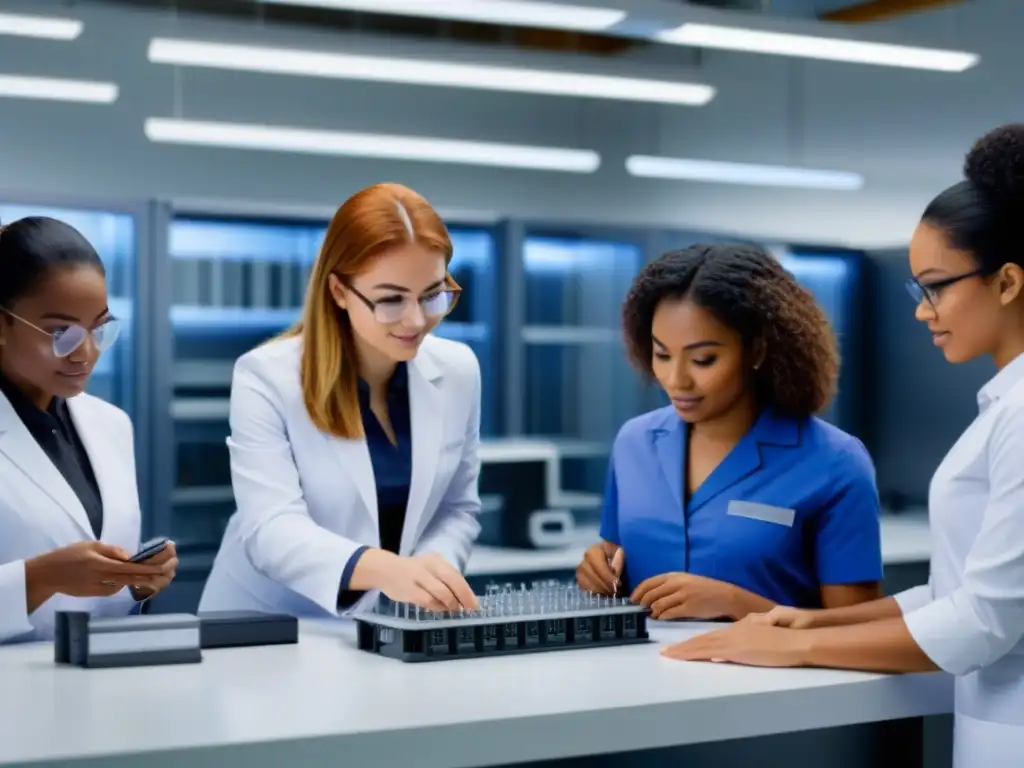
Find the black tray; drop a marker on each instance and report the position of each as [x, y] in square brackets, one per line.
[524, 626]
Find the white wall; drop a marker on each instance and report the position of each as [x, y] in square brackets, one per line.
[906, 131]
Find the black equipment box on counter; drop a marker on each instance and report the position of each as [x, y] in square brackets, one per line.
[235, 629]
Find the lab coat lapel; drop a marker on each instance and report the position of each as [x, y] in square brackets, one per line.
[668, 437]
[22, 450]
[107, 461]
[354, 457]
[426, 406]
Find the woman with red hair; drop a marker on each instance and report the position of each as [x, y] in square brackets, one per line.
[354, 435]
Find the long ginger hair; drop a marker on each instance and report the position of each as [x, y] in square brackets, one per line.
[370, 222]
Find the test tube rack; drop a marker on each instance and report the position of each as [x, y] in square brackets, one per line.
[548, 617]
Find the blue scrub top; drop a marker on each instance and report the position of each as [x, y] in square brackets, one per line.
[792, 507]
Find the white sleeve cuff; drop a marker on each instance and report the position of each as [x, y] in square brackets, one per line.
[14, 619]
[951, 635]
[909, 600]
[438, 545]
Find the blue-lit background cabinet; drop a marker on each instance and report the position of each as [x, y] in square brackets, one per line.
[577, 385]
[836, 280]
[233, 285]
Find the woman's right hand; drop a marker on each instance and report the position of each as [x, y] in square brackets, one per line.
[601, 570]
[428, 581]
[84, 569]
[784, 616]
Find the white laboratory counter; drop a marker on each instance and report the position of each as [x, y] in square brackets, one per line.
[905, 539]
[322, 702]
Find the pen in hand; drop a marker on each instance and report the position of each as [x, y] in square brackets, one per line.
[615, 563]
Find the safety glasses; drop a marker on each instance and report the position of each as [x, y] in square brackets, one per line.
[393, 309]
[69, 338]
[931, 291]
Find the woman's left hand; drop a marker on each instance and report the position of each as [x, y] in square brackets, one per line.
[745, 642]
[167, 559]
[685, 596]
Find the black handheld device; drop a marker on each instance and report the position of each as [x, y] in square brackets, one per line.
[149, 549]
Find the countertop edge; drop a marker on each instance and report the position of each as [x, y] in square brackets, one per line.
[573, 734]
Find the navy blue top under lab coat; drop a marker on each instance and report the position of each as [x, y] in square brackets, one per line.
[792, 507]
[392, 470]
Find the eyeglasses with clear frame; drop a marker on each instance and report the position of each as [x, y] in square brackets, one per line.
[70, 337]
[434, 305]
[930, 291]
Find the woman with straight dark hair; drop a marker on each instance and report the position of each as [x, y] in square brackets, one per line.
[69, 509]
[967, 282]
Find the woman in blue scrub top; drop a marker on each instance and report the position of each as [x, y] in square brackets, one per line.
[735, 497]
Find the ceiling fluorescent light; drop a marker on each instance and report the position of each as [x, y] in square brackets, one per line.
[412, 71]
[741, 173]
[363, 145]
[47, 27]
[53, 89]
[526, 13]
[815, 47]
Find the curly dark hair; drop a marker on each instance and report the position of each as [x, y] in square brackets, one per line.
[748, 290]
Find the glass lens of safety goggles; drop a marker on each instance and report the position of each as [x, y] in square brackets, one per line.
[433, 306]
[439, 304]
[71, 338]
[916, 291]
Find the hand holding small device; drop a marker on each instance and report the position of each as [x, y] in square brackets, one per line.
[156, 552]
[150, 549]
[85, 569]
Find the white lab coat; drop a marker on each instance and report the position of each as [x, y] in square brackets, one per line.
[969, 619]
[306, 500]
[40, 512]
